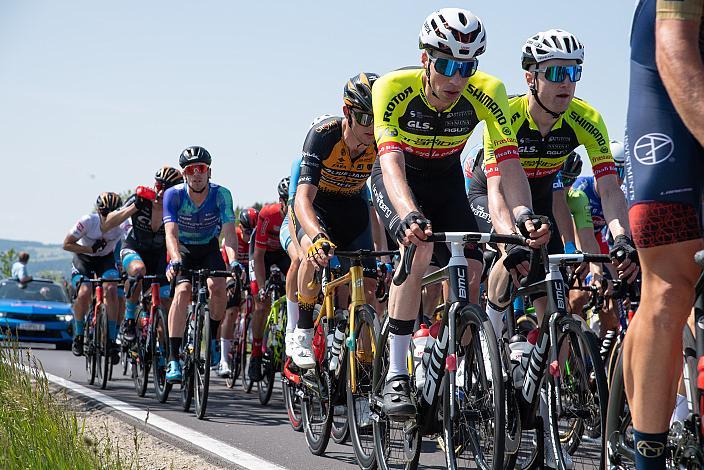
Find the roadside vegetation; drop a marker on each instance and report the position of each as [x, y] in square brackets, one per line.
[37, 429]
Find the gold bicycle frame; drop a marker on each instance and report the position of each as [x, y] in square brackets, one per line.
[355, 277]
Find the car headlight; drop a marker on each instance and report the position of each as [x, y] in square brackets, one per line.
[64, 317]
[3, 314]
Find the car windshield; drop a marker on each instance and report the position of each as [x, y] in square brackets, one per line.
[46, 291]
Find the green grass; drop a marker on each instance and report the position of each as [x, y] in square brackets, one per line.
[37, 429]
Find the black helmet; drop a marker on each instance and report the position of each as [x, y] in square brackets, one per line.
[358, 91]
[108, 202]
[283, 188]
[571, 168]
[248, 218]
[168, 176]
[192, 155]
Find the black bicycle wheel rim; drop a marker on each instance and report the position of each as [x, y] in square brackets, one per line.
[245, 348]
[187, 369]
[618, 449]
[201, 363]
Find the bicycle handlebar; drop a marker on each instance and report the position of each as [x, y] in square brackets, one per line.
[455, 237]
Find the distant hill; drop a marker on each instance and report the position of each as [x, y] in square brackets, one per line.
[42, 256]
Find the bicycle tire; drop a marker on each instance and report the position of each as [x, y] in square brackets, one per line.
[292, 401]
[187, 367]
[104, 360]
[395, 447]
[141, 364]
[89, 347]
[582, 373]
[246, 351]
[612, 359]
[485, 398]
[618, 446]
[317, 409]
[265, 387]
[358, 412]
[201, 360]
[160, 355]
[340, 429]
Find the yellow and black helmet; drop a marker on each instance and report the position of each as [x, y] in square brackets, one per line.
[168, 176]
[358, 91]
[108, 202]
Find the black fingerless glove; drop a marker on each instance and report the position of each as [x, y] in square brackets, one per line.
[624, 248]
[99, 245]
[414, 217]
[515, 255]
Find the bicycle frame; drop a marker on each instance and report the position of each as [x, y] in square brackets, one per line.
[534, 370]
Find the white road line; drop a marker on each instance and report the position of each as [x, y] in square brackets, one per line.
[231, 454]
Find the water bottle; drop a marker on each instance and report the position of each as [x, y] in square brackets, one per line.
[420, 338]
[519, 354]
[146, 192]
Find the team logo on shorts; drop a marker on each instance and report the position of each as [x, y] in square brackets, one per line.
[654, 148]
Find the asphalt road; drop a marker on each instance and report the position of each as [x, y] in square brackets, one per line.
[233, 417]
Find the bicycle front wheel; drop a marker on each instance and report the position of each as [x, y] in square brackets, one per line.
[473, 429]
[104, 360]
[160, 355]
[89, 348]
[201, 360]
[187, 345]
[579, 383]
[360, 371]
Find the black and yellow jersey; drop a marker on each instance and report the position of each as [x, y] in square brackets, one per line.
[405, 121]
[327, 162]
[544, 156]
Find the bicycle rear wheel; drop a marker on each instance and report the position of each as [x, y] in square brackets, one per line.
[160, 355]
[396, 444]
[292, 400]
[471, 436]
[583, 393]
[201, 360]
[360, 371]
[104, 360]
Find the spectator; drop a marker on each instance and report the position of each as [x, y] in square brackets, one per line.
[19, 269]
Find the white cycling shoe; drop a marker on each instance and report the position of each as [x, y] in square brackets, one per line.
[289, 343]
[224, 369]
[302, 348]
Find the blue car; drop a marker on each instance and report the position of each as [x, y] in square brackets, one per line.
[37, 312]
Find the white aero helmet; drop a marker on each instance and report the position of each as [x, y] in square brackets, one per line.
[453, 31]
[617, 152]
[551, 44]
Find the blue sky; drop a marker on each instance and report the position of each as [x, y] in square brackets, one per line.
[95, 96]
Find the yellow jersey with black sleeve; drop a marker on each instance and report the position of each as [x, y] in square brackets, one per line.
[328, 165]
[543, 156]
[405, 121]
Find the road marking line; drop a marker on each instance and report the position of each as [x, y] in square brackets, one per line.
[231, 454]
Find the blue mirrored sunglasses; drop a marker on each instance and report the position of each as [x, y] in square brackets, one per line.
[448, 67]
[558, 73]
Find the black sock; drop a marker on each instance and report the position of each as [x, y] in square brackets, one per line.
[174, 347]
[214, 325]
[305, 314]
[401, 327]
[650, 450]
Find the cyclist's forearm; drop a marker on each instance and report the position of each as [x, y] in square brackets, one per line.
[172, 242]
[682, 70]
[616, 211]
[230, 238]
[394, 173]
[115, 218]
[259, 266]
[498, 208]
[513, 176]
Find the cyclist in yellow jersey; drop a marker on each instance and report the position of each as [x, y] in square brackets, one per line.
[423, 118]
[549, 123]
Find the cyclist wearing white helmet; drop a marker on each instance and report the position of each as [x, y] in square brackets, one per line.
[549, 123]
[423, 118]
